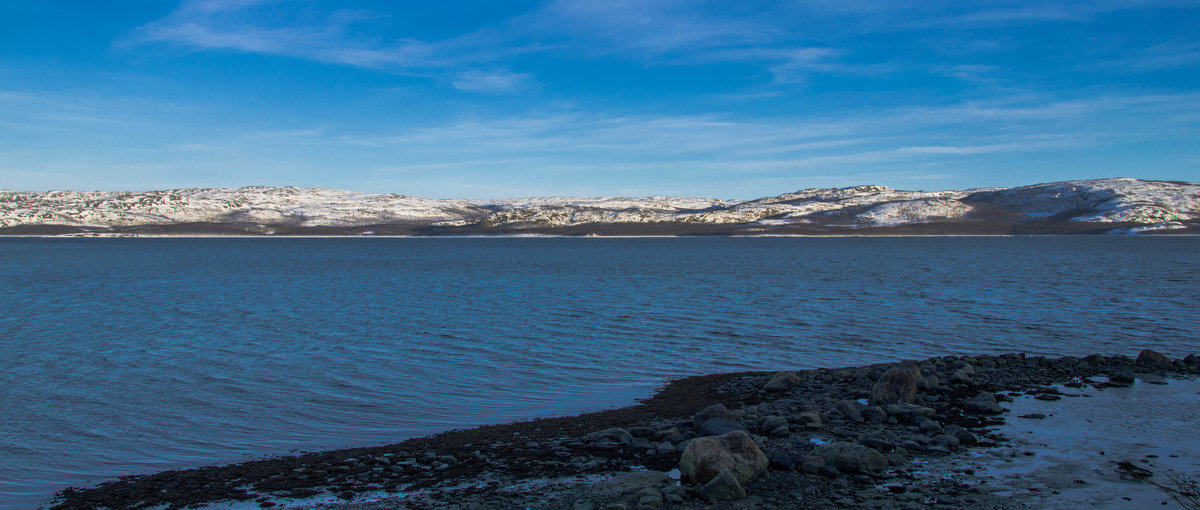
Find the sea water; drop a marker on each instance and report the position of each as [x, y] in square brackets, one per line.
[127, 356]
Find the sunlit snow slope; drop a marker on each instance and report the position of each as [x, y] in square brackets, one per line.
[1102, 205]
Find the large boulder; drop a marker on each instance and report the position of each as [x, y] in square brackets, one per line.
[898, 385]
[723, 487]
[782, 381]
[852, 458]
[705, 457]
[710, 412]
[1152, 359]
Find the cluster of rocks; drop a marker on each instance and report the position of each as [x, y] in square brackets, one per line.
[929, 408]
[825, 437]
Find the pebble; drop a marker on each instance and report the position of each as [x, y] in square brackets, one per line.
[719, 426]
[984, 402]
[782, 461]
[812, 464]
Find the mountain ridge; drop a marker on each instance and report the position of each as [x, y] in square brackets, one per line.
[1118, 205]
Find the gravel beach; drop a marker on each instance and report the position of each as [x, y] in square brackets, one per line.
[934, 433]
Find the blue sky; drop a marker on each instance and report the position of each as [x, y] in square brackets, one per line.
[580, 97]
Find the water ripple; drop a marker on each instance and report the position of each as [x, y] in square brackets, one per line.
[127, 356]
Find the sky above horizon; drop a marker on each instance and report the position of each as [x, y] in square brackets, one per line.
[578, 97]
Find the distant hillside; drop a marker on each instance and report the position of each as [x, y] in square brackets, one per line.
[1089, 206]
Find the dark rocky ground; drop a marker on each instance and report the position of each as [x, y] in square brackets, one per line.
[877, 456]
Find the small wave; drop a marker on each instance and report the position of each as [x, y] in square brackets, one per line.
[252, 347]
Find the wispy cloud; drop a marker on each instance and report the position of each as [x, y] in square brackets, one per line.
[779, 39]
[580, 152]
[499, 81]
[239, 25]
[790, 42]
[978, 14]
[953, 130]
[690, 33]
[1174, 54]
[648, 30]
[27, 112]
[666, 88]
[979, 73]
[1047, 11]
[669, 33]
[909, 134]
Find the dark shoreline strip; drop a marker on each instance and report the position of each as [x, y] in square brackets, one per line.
[180, 488]
[520, 450]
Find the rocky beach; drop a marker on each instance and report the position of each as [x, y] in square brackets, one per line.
[895, 435]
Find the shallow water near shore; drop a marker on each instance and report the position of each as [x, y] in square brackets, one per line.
[1069, 459]
[125, 356]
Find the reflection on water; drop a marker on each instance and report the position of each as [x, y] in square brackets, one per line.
[1075, 447]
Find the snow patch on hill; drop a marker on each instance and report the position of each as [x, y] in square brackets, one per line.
[1104, 200]
[1129, 203]
[255, 204]
[890, 214]
[867, 205]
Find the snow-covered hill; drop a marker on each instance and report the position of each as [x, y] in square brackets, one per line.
[1103, 201]
[255, 204]
[1126, 205]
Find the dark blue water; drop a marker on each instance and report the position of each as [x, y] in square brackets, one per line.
[126, 356]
